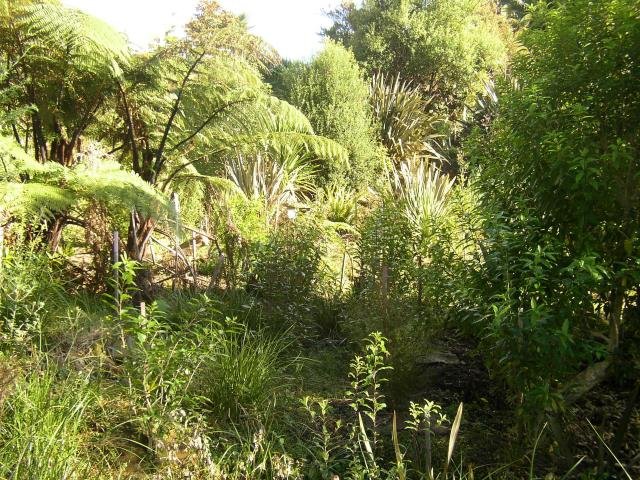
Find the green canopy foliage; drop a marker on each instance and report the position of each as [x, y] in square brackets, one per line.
[447, 46]
[333, 94]
[214, 29]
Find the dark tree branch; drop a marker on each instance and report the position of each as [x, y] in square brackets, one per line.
[204, 124]
[15, 134]
[131, 133]
[176, 106]
[165, 184]
[86, 119]
[116, 149]
[76, 221]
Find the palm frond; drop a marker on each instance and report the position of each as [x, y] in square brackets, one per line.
[406, 124]
[423, 190]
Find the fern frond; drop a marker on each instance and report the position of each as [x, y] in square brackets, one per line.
[33, 200]
[86, 39]
[220, 184]
[281, 116]
[312, 145]
[34, 189]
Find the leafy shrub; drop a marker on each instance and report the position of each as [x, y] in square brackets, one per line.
[288, 268]
[557, 172]
[332, 92]
[29, 293]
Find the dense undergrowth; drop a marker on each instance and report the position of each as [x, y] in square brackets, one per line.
[416, 256]
[241, 385]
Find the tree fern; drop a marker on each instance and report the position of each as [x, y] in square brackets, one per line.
[33, 190]
[64, 63]
[216, 30]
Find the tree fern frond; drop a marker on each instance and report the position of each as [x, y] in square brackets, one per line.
[312, 145]
[29, 200]
[15, 161]
[281, 116]
[107, 182]
[82, 36]
[220, 184]
[30, 185]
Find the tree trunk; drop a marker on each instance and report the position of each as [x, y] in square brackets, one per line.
[140, 230]
[54, 231]
[615, 317]
[625, 420]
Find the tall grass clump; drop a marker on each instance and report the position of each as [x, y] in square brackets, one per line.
[40, 430]
[244, 374]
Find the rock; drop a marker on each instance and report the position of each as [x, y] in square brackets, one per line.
[446, 358]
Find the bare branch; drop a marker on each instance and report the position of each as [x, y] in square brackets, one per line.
[174, 111]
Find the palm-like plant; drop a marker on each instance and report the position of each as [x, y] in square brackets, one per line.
[405, 121]
[63, 62]
[276, 156]
[280, 178]
[340, 204]
[422, 190]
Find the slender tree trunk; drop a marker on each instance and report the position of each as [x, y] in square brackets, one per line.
[16, 135]
[384, 298]
[138, 235]
[420, 287]
[54, 231]
[623, 425]
[615, 317]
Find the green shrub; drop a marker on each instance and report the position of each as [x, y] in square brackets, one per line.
[30, 293]
[288, 267]
[333, 93]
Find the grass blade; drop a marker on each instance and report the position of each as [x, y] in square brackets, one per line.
[455, 427]
[610, 451]
[400, 468]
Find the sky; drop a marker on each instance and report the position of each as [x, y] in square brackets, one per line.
[291, 26]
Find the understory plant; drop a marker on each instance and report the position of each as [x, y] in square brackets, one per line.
[41, 427]
[355, 447]
[30, 291]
